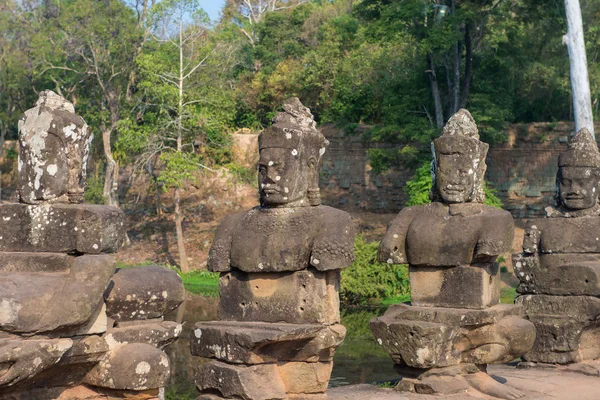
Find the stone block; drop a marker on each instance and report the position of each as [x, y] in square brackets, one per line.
[445, 287]
[575, 274]
[35, 262]
[567, 328]
[259, 343]
[416, 337]
[44, 302]
[134, 366]
[143, 293]
[302, 297]
[303, 377]
[156, 333]
[256, 382]
[61, 228]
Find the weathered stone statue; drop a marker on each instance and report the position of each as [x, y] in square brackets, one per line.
[455, 325]
[559, 268]
[70, 327]
[280, 270]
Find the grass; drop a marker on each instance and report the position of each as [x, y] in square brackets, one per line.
[203, 283]
[507, 295]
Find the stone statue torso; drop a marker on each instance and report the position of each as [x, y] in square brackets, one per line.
[283, 239]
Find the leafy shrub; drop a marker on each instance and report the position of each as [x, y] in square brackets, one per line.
[94, 193]
[417, 189]
[367, 279]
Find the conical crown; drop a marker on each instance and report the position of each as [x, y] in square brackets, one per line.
[582, 151]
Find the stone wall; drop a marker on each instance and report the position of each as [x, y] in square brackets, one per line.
[522, 170]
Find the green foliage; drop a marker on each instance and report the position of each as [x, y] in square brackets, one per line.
[94, 193]
[178, 168]
[417, 189]
[369, 280]
[201, 282]
[243, 174]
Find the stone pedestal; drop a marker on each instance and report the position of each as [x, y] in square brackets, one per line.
[280, 264]
[70, 327]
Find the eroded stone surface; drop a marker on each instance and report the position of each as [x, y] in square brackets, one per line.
[256, 382]
[136, 366]
[259, 343]
[143, 293]
[567, 327]
[54, 145]
[305, 297]
[305, 377]
[61, 228]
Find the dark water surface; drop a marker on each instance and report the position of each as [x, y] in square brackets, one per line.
[358, 360]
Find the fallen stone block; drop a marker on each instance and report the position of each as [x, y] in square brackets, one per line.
[259, 343]
[158, 334]
[143, 293]
[135, 366]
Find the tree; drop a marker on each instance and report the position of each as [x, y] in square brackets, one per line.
[170, 99]
[248, 13]
[86, 51]
[574, 39]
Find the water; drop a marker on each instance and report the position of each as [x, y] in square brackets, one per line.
[358, 360]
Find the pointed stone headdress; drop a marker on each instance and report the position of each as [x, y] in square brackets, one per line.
[582, 151]
[461, 136]
[294, 129]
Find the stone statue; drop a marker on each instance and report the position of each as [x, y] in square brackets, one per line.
[559, 268]
[70, 327]
[455, 325]
[279, 285]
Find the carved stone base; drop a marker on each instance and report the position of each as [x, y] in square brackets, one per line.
[568, 328]
[434, 337]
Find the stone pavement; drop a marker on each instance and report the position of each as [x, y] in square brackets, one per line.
[536, 383]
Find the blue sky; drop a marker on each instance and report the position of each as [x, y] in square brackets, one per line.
[212, 7]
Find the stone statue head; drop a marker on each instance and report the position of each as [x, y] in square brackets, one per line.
[54, 145]
[290, 157]
[458, 164]
[578, 173]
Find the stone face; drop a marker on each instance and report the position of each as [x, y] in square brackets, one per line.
[304, 297]
[259, 343]
[54, 145]
[47, 302]
[442, 287]
[61, 228]
[135, 366]
[567, 327]
[284, 239]
[257, 382]
[143, 293]
[303, 377]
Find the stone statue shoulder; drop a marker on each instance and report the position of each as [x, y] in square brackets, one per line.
[333, 245]
[392, 248]
[562, 235]
[496, 233]
[220, 251]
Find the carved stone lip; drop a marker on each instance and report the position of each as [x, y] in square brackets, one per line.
[574, 197]
[271, 190]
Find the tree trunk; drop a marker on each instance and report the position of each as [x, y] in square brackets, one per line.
[435, 92]
[183, 262]
[582, 103]
[456, 67]
[110, 177]
[468, 66]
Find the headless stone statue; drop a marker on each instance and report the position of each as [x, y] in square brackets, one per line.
[70, 327]
[455, 325]
[559, 268]
[279, 285]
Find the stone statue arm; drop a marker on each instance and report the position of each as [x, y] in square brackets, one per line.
[219, 256]
[528, 262]
[495, 236]
[333, 246]
[392, 248]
